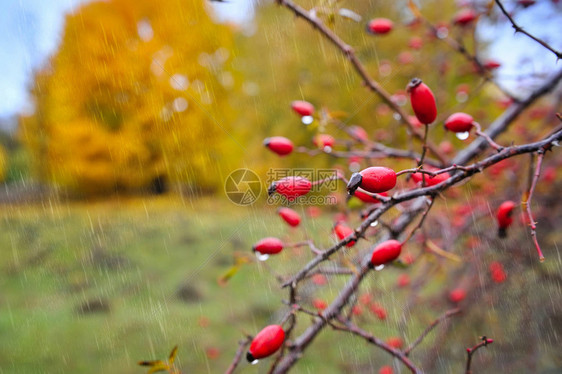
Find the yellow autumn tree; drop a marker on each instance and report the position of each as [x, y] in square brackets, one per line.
[135, 95]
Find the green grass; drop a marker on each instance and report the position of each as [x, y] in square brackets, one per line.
[132, 256]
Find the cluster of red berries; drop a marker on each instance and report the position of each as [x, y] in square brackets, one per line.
[363, 185]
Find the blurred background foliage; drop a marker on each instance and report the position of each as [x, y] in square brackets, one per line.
[130, 99]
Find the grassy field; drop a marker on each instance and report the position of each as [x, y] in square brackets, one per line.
[93, 288]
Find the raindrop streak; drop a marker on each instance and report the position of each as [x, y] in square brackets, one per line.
[462, 135]
[255, 362]
[374, 223]
[379, 268]
[307, 120]
[262, 257]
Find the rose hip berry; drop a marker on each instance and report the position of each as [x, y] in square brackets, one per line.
[380, 26]
[430, 180]
[504, 217]
[266, 342]
[323, 140]
[375, 179]
[423, 101]
[457, 295]
[459, 122]
[279, 144]
[366, 198]
[342, 231]
[290, 187]
[302, 108]
[464, 17]
[290, 216]
[386, 252]
[269, 246]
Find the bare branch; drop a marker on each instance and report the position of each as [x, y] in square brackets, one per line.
[429, 328]
[527, 203]
[518, 28]
[470, 352]
[242, 344]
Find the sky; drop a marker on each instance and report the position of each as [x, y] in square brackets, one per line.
[30, 31]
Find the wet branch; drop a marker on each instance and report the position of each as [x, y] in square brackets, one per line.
[429, 328]
[518, 28]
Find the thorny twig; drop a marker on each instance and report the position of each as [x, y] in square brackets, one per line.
[518, 28]
[242, 344]
[429, 328]
[527, 203]
[470, 351]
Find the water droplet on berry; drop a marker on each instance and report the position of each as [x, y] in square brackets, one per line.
[254, 362]
[462, 135]
[328, 149]
[374, 223]
[379, 268]
[556, 143]
[307, 120]
[462, 97]
[442, 32]
[262, 256]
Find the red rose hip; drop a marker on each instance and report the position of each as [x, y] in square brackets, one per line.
[459, 122]
[279, 144]
[268, 246]
[323, 140]
[423, 101]
[342, 231]
[464, 17]
[375, 179]
[504, 217]
[386, 252]
[266, 343]
[290, 187]
[380, 26]
[290, 216]
[302, 108]
[366, 198]
[457, 295]
[430, 180]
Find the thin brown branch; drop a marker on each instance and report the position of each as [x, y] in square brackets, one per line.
[518, 28]
[527, 203]
[352, 328]
[420, 223]
[470, 351]
[429, 328]
[479, 132]
[242, 344]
